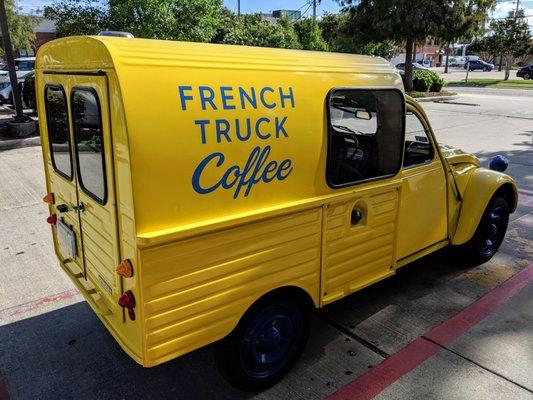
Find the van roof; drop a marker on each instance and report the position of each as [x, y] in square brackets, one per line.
[98, 52]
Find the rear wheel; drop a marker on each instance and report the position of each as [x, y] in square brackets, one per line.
[526, 76]
[264, 346]
[489, 234]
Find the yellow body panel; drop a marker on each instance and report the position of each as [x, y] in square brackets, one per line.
[206, 245]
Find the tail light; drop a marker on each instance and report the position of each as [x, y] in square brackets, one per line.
[125, 269]
[127, 300]
[52, 219]
[49, 198]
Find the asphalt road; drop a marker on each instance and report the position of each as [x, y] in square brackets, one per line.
[52, 346]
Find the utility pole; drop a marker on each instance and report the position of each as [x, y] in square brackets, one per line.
[517, 5]
[314, 10]
[19, 117]
[238, 7]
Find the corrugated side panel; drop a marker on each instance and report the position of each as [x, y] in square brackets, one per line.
[195, 290]
[358, 255]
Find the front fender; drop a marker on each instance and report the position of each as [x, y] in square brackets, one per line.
[481, 187]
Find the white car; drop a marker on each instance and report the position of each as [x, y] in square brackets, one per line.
[23, 65]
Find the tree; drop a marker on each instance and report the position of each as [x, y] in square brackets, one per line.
[310, 35]
[20, 27]
[462, 20]
[510, 37]
[77, 17]
[191, 20]
[254, 30]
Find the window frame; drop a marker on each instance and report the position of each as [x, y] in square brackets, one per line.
[329, 128]
[101, 201]
[428, 134]
[59, 87]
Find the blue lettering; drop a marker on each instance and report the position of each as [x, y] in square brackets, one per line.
[280, 127]
[226, 97]
[258, 125]
[204, 99]
[262, 97]
[198, 173]
[252, 98]
[238, 130]
[284, 97]
[184, 97]
[202, 123]
[222, 127]
[255, 170]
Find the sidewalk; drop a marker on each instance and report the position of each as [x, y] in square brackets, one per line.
[484, 351]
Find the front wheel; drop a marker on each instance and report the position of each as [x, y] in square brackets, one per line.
[526, 77]
[264, 346]
[485, 69]
[489, 234]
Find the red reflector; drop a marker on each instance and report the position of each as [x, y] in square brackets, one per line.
[52, 219]
[127, 300]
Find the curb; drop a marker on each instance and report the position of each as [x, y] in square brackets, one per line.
[437, 98]
[11, 144]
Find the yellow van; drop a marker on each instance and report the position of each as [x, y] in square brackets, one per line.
[206, 193]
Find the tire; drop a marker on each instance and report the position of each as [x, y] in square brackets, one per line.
[264, 346]
[526, 76]
[489, 234]
[485, 69]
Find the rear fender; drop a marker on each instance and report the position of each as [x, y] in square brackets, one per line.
[482, 186]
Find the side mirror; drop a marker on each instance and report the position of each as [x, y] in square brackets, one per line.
[363, 114]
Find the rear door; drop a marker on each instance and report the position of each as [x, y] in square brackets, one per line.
[88, 192]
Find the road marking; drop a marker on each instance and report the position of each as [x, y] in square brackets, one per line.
[370, 384]
[32, 305]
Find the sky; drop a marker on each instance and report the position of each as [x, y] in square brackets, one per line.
[250, 6]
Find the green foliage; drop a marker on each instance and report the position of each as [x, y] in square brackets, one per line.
[77, 17]
[191, 20]
[20, 27]
[425, 80]
[253, 30]
[310, 35]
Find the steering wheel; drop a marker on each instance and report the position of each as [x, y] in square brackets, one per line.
[349, 137]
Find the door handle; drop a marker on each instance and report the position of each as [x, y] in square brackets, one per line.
[357, 216]
[62, 208]
[80, 207]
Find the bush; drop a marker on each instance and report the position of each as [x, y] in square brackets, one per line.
[422, 80]
[425, 80]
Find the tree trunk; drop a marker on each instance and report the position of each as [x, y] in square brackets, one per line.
[408, 77]
[508, 63]
[447, 59]
[500, 66]
[414, 52]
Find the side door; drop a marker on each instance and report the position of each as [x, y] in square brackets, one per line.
[365, 142]
[93, 153]
[423, 212]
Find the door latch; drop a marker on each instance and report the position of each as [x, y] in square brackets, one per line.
[62, 208]
[357, 216]
[80, 207]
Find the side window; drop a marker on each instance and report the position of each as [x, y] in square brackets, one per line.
[58, 130]
[418, 148]
[89, 143]
[365, 135]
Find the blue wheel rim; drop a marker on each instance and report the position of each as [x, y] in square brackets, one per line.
[269, 342]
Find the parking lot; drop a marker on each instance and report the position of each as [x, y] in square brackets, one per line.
[52, 346]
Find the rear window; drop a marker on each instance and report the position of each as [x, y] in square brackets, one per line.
[58, 130]
[89, 143]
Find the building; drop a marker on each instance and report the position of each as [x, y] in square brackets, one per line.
[293, 15]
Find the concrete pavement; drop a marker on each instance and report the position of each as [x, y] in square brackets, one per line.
[53, 346]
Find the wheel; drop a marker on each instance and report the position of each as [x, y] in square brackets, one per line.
[489, 233]
[526, 76]
[485, 69]
[264, 346]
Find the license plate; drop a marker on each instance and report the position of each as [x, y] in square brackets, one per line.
[66, 239]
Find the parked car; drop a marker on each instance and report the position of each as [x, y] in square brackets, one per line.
[23, 65]
[26, 89]
[525, 72]
[401, 66]
[472, 65]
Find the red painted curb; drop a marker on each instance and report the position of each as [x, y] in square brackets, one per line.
[370, 384]
[4, 395]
